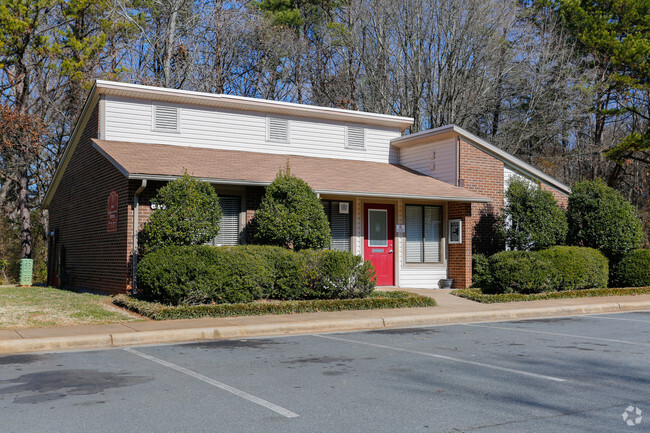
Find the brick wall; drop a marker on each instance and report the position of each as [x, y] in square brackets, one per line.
[460, 255]
[95, 258]
[483, 174]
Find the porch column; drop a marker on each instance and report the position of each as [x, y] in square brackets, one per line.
[460, 255]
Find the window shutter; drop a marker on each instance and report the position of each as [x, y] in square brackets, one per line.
[355, 138]
[278, 129]
[432, 223]
[413, 234]
[165, 118]
[229, 226]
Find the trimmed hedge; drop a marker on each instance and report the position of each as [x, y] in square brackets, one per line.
[556, 268]
[375, 300]
[634, 269]
[577, 268]
[191, 275]
[520, 272]
[478, 295]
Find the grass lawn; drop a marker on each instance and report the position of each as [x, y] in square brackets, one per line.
[31, 307]
[478, 296]
[376, 300]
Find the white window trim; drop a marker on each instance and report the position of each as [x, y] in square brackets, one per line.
[458, 221]
[153, 119]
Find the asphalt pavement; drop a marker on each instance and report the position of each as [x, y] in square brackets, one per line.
[563, 374]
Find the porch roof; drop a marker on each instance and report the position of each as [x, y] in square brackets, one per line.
[324, 175]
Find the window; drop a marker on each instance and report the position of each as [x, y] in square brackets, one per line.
[423, 233]
[355, 138]
[339, 215]
[165, 118]
[229, 226]
[277, 129]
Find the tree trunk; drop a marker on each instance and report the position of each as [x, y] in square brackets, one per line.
[25, 217]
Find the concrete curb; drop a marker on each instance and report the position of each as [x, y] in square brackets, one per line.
[118, 339]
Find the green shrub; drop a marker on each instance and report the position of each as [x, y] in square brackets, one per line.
[291, 215]
[285, 268]
[188, 213]
[481, 276]
[577, 268]
[531, 219]
[343, 275]
[599, 217]
[520, 272]
[633, 270]
[203, 274]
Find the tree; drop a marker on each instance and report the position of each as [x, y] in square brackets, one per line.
[616, 35]
[291, 215]
[21, 138]
[599, 217]
[188, 213]
[531, 219]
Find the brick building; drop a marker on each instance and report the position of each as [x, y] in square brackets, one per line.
[417, 206]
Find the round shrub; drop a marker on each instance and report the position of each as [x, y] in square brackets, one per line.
[599, 217]
[634, 269]
[291, 215]
[577, 268]
[520, 272]
[188, 213]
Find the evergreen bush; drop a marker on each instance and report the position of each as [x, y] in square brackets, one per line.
[202, 274]
[187, 213]
[531, 219]
[633, 270]
[577, 268]
[481, 276]
[291, 215]
[599, 217]
[520, 272]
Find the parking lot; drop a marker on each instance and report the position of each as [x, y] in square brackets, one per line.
[578, 374]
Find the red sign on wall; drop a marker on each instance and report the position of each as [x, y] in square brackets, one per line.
[112, 212]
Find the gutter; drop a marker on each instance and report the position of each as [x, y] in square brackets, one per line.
[134, 276]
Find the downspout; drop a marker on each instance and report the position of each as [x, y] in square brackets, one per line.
[134, 276]
[457, 161]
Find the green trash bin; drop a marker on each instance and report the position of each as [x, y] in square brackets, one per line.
[26, 271]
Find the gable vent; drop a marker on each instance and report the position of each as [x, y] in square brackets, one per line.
[355, 138]
[277, 129]
[165, 118]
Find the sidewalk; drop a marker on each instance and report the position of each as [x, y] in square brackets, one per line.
[450, 309]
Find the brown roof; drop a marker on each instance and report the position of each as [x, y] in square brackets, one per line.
[324, 175]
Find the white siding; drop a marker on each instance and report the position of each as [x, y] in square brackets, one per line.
[421, 277]
[130, 120]
[420, 158]
[509, 173]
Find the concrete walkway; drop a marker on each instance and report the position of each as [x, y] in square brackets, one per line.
[450, 309]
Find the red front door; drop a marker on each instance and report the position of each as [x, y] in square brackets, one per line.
[378, 244]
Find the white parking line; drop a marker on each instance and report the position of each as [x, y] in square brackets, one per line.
[618, 318]
[446, 358]
[557, 334]
[275, 408]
